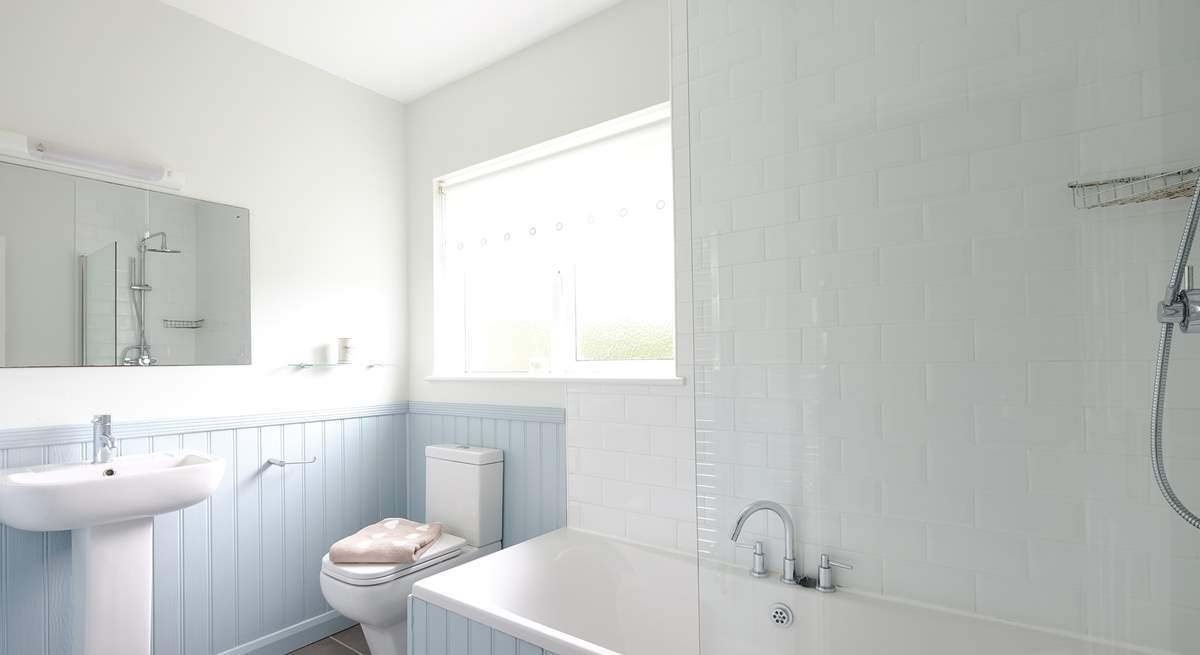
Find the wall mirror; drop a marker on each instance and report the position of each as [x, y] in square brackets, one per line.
[94, 273]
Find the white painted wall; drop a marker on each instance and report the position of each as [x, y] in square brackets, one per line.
[315, 159]
[609, 65]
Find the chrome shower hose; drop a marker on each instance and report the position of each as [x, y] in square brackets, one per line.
[1156, 422]
[1174, 289]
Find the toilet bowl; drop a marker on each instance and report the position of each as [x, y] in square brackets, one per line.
[463, 487]
[376, 595]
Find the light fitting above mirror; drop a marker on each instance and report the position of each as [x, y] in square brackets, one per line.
[61, 157]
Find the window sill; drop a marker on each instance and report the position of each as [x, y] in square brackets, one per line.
[597, 379]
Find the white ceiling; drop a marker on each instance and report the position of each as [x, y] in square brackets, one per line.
[400, 48]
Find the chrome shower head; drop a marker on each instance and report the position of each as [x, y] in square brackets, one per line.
[162, 244]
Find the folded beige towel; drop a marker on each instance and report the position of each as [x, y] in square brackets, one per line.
[391, 541]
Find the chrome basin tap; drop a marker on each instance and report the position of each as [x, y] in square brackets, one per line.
[103, 444]
[789, 547]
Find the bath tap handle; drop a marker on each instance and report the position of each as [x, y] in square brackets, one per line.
[825, 573]
[759, 568]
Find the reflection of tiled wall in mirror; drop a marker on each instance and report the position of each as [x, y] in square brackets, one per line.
[222, 289]
[173, 278]
[105, 214]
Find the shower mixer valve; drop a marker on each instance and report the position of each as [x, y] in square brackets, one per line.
[1182, 306]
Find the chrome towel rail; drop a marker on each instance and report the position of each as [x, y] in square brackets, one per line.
[279, 462]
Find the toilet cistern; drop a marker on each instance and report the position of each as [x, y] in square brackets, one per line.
[789, 552]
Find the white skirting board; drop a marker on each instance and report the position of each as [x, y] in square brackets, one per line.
[294, 637]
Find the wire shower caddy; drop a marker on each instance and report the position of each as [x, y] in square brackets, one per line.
[185, 325]
[1179, 183]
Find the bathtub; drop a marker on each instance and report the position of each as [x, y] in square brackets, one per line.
[576, 593]
[572, 592]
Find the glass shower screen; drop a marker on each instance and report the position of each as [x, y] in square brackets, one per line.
[929, 241]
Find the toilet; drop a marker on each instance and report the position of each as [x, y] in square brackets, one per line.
[463, 492]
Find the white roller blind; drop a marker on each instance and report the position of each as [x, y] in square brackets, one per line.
[564, 257]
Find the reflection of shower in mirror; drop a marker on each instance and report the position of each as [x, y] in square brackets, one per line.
[95, 273]
[138, 287]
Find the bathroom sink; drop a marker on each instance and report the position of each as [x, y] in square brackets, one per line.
[75, 496]
[109, 508]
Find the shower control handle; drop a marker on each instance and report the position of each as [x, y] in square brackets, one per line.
[1189, 297]
[1182, 308]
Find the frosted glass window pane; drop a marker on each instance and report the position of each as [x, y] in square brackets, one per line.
[510, 318]
[566, 258]
[624, 288]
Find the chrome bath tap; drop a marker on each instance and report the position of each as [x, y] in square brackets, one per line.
[103, 444]
[825, 574]
[789, 529]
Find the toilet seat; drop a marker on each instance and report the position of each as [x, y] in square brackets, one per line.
[445, 548]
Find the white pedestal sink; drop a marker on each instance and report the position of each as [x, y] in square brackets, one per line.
[109, 509]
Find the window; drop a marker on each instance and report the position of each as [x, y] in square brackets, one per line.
[558, 260]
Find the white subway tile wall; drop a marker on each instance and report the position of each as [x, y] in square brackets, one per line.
[632, 466]
[904, 330]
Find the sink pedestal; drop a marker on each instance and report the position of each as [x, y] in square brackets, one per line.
[109, 509]
[112, 584]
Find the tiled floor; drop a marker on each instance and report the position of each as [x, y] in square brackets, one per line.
[347, 642]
